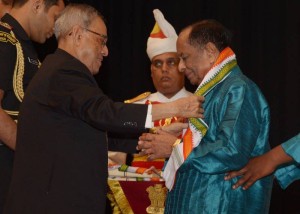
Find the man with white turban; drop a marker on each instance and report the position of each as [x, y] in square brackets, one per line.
[167, 79]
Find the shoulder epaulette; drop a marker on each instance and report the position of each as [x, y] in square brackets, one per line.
[138, 98]
[7, 36]
[4, 24]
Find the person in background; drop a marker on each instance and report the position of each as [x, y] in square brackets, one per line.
[167, 80]
[61, 160]
[284, 159]
[31, 20]
[234, 129]
[5, 6]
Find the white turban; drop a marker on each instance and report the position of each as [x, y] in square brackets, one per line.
[162, 38]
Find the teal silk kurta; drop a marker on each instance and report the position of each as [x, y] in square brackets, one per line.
[287, 174]
[238, 118]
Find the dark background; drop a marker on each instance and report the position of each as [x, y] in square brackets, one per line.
[266, 41]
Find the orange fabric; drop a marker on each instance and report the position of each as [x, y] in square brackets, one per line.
[224, 54]
[141, 170]
[188, 143]
[160, 35]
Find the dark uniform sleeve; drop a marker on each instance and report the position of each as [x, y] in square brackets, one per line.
[7, 64]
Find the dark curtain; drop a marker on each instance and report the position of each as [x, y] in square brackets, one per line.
[266, 41]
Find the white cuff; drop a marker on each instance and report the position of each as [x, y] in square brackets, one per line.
[149, 124]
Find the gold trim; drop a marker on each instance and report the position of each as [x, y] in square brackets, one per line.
[18, 71]
[14, 113]
[118, 199]
[138, 98]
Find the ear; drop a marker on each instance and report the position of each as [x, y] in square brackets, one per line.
[77, 33]
[37, 5]
[212, 52]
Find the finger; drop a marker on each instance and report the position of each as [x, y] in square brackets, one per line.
[241, 181]
[180, 125]
[146, 137]
[161, 132]
[249, 183]
[230, 175]
[201, 110]
[234, 174]
[143, 145]
[142, 152]
[146, 151]
[151, 157]
[201, 99]
[185, 124]
[201, 116]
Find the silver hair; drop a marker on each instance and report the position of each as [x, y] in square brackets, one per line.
[74, 14]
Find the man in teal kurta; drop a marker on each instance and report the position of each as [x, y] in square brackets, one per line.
[238, 118]
[235, 128]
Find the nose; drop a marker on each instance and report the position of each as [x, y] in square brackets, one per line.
[165, 67]
[181, 66]
[104, 51]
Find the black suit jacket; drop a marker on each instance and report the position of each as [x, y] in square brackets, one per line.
[61, 155]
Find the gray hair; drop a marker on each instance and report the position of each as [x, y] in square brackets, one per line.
[74, 14]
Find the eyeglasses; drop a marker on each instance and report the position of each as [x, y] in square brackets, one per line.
[102, 36]
[170, 62]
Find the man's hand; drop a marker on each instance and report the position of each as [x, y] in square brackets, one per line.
[190, 106]
[186, 107]
[156, 145]
[259, 167]
[256, 168]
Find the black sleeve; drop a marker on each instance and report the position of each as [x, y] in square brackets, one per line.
[123, 142]
[7, 65]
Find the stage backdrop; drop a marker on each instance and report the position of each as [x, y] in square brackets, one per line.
[266, 41]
